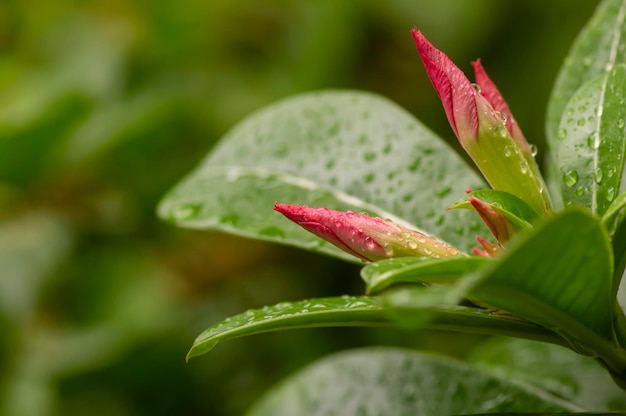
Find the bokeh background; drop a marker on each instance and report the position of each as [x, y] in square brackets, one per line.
[106, 104]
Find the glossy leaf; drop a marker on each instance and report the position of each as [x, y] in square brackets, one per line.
[380, 275]
[345, 143]
[560, 277]
[558, 370]
[391, 381]
[506, 203]
[358, 311]
[591, 149]
[597, 49]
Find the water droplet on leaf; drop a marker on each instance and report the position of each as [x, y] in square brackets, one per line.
[570, 178]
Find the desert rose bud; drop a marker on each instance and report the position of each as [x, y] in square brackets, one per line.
[365, 237]
[500, 227]
[490, 249]
[485, 128]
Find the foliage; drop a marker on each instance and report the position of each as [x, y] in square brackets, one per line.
[106, 104]
[555, 281]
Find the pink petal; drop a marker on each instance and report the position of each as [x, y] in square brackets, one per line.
[489, 90]
[454, 89]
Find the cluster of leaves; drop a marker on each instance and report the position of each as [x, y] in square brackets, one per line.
[558, 281]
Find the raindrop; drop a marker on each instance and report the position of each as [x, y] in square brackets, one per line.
[369, 178]
[581, 121]
[330, 164]
[523, 168]
[570, 178]
[507, 152]
[186, 211]
[533, 150]
[476, 87]
[620, 123]
[598, 174]
[561, 134]
[412, 244]
[582, 108]
[580, 191]
[610, 194]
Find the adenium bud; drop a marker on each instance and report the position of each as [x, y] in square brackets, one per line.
[500, 227]
[485, 128]
[490, 249]
[365, 237]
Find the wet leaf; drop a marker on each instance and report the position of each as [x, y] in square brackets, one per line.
[361, 150]
[391, 381]
[591, 148]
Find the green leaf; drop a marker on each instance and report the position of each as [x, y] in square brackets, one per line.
[392, 381]
[338, 311]
[360, 311]
[356, 149]
[380, 275]
[597, 49]
[591, 149]
[614, 215]
[506, 203]
[560, 371]
[560, 277]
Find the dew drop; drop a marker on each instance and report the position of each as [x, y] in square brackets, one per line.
[507, 152]
[610, 194]
[476, 87]
[580, 191]
[620, 123]
[533, 150]
[570, 178]
[581, 121]
[561, 134]
[598, 174]
[186, 211]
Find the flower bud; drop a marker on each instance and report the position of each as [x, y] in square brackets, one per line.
[365, 237]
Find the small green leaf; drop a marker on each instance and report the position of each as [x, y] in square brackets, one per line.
[358, 148]
[560, 277]
[508, 204]
[391, 381]
[614, 215]
[592, 148]
[598, 48]
[382, 274]
[338, 311]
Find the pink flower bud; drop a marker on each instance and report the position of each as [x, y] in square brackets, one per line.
[365, 237]
[485, 127]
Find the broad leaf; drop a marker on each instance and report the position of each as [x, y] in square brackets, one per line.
[342, 143]
[391, 381]
[359, 311]
[598, 48]
[380, 275]
[560, 277]
[591, 145]
[558, 370]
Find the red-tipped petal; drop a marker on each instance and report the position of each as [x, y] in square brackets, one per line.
[454, 89]
[496, 223]
[365, 237]
[334, 227]
[489, 90]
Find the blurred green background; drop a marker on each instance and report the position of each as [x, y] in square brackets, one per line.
[104, 105]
